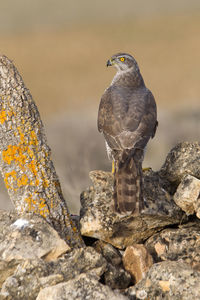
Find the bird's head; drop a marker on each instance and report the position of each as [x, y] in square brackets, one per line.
[123, 62]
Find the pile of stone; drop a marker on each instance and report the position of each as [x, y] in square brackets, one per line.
[151, 256]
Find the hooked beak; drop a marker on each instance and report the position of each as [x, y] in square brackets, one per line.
[109, 63]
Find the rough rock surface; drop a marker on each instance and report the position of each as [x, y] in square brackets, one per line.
[187, 195]
[32, 275]
[168, 280]
[36, 264]
[111, 254]
[183, 159]
[137, 261]
[98, 220]
[80, 288]
[27, 237]
[182, 244]
[115, 276]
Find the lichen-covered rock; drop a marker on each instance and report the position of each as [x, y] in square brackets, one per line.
[168, 280]
[187, 195]
[98, 220]
[25, 157]
[111, 254]
[137, 261]
[177, 244]
[28, 237]
[80, 288]
[32, 275]
[183, 159]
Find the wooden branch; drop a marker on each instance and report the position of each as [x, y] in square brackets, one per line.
[25, 161]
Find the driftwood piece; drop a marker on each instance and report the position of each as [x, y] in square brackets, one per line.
[25, 157]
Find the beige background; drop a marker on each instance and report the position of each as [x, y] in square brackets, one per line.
[61, 48]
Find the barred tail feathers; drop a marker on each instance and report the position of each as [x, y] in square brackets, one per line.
[128, 183]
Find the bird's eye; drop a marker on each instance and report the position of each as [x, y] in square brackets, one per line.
[122, 58]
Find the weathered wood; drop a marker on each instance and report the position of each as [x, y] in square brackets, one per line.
[25, 157]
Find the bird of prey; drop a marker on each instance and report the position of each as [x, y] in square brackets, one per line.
[127, 118]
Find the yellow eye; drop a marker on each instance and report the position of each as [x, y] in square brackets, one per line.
[122, 58]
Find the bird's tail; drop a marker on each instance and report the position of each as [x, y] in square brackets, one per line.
[128, 196]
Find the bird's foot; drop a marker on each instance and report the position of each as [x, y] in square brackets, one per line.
[146, 169]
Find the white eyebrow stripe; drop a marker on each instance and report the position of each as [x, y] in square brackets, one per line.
[125, 55]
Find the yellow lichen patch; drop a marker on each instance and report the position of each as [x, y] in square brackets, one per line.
[23, 180]
[25, 160]
[8, 176]
[30, 152]
[32, 167]
[9, 154]
[74, 229]
[33, 138]
[45, 183]
[37, 206]
[37, 181]
[14, 153]
[31, 204]
[42, 208]
[3, 116]
[21, 134]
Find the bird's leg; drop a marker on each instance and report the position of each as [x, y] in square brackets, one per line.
[113, 166]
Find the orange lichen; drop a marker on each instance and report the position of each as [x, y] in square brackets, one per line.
[42, 204]
[33, 168]
[30, 152]
[7, 178]
[37, 206]
[23, 180]
[45, 183]
[9, 154]
[31, 203]
[33, 138]
[3, 116]
[24, 157]
[15, 153]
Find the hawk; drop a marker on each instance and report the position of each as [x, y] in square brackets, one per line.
[127, 118]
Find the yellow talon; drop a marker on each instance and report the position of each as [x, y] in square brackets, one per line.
[146, 169]
[113, 167]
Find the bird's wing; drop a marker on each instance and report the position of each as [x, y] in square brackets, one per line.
[127, 117]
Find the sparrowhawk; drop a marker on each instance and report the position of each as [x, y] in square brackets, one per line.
[127, 118]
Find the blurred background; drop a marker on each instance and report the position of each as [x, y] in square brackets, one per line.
[61, 47]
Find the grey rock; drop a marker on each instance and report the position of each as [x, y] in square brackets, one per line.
[180, 244]
[98, 220]
[28, 237]
[168, 280]
[82, 287]
[183, 159]
[187, 195]
[7, 269]
[117, 277]
[32, 275]
[111, 254]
